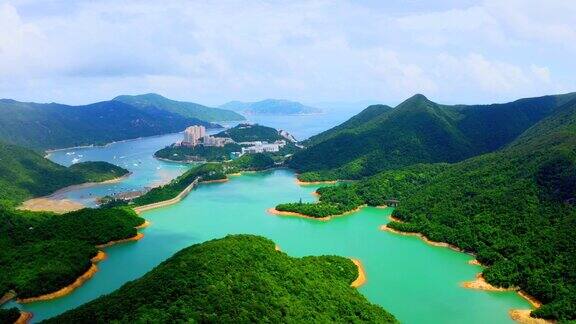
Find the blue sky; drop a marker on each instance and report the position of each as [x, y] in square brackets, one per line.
[313, 51]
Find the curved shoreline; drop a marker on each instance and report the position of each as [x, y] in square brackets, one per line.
[274, 211]
[137, 237]
[63, 291]
[100, 256]
[54, 203]
[164, 203]
[311, 183]
[361, 279]
[24, 318]
[518, 315]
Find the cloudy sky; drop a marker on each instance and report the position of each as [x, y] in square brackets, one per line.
[314, 51]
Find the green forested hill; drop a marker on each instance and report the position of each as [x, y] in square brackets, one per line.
[25, 174]
[251, 133]
[152, 101]
[50, 126]
[515, 208]
[41, 253]
[237, 279]
[363, 120]
[418, 131]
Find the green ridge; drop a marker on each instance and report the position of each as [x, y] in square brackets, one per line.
[153, 101]
[237, 279]
[417, 131]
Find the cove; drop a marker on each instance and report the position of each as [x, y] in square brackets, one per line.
[418, 283]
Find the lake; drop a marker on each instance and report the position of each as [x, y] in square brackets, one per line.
[416, 282]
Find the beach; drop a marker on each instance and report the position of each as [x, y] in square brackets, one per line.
[361, 274]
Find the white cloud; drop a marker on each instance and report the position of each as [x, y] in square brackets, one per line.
[307, 50]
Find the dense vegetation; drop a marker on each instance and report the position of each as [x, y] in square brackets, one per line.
[271, 107]
[372, 191]
[205, 172]
[250, 162]
[417, 131]
[51, 126]
[9, 316]
[514, 208]
[152, 101]
[25, 174]
[237, 279]
[197, 153]
[251, 133]
[42, 252]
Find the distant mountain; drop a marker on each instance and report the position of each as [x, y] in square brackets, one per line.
[152, 101]
[51, 126]
[271, 107]
[237, 279]
[25, 174]
[417, 131]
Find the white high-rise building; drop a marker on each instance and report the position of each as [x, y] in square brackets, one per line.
[193, 134]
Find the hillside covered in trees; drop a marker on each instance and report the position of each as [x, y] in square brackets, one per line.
[417, 131]
[251, 133]
[25, 174]
[53, 126]
[41, 252]
[514, 208]
[240, 279]
[153, 101]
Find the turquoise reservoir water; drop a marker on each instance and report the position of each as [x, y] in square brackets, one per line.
[416, 282]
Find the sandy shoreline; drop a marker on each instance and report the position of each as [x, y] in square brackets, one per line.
[58, 206]
[421, 236]
[481, 284]
[518, 315]
[137, 237]
[274, 211]
[24, 318]
[306, 183]
[63, 291]
[361, 274]
[523, 316]
[53, 202]
[143, 225]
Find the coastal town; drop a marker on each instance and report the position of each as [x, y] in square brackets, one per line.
[196, 136]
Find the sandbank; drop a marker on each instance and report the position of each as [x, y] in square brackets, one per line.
[58, 206]
[523, 316]
[361, 274]
[24, 318]
[277, 247]
[64, 291]
[55, 203]
[481, 284]
[137, 237]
